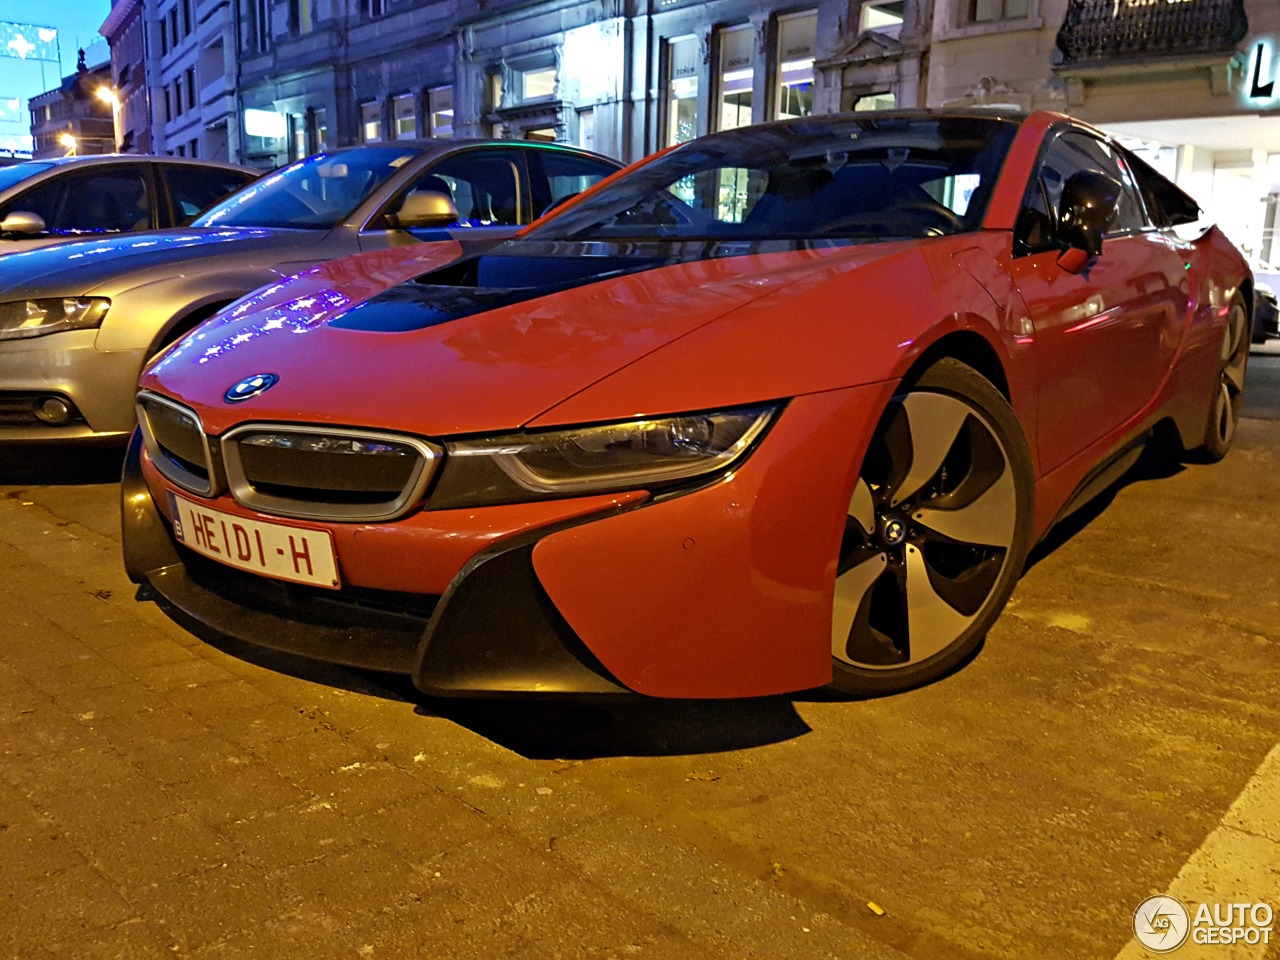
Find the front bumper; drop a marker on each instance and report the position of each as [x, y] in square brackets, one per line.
[723, 591]
[100, 387]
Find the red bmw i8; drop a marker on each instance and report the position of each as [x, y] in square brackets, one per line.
[778, 408]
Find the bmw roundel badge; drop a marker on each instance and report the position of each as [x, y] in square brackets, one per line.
[250, 387]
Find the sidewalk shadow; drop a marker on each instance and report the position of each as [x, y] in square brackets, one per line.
[47, 464]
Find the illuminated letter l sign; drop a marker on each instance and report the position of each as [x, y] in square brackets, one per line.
[1259, 91]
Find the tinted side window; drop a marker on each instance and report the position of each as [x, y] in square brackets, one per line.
[558, 176]
[90, 202]
[486, 187]
[1068, 154]
[191, 189]
[1167, 204]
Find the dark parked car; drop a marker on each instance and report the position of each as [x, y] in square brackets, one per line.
[782, 407]
[44, 201]
[78, 321]
[1266, 314]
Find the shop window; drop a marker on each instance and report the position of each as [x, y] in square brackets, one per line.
[371, 122]
[297, 136]
[737, 74]
[440, 110]
[883, 16]
[797, 35]
[405, 121]
[538, 83]
[682, 89]
[876, 101]
[319, 130]
[300, 19]
[993, 11]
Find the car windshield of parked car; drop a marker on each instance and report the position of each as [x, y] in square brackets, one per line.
[875, 178]
[316, 193]
[19, 172]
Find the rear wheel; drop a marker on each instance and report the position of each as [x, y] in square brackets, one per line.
[936, 536]
[1228, 387]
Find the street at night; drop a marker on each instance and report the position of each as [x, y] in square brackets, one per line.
[1115, 737]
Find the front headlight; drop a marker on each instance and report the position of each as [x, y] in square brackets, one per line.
[20, 319]
[634, 455]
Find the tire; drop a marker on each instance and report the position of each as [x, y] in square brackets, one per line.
[937, 533]
[1228, 388]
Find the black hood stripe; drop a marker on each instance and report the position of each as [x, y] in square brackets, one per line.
[524, 270]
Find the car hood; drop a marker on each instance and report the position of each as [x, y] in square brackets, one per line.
[110, 264]
[474, 344]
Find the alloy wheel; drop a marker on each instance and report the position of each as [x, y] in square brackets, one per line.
[934, 522]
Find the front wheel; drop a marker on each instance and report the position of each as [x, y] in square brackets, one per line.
[936, 536]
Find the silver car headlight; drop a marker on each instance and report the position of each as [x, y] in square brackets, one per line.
[20, 319]
[632, 455]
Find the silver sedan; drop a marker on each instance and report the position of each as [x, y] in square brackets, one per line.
[79, 320]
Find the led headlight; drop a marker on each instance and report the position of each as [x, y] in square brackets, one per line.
[636, 454]
[20, 319]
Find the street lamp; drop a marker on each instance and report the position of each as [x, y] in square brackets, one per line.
[107, 95]
[68, 141]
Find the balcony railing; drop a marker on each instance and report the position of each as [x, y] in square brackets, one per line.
[1106, 31]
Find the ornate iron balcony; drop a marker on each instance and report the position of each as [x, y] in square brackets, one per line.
[1106, 31]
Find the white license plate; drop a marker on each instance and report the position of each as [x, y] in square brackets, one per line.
[274, 549]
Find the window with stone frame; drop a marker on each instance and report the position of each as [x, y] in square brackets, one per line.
[995, 11]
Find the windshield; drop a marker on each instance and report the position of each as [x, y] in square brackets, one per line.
[19, 172]
[875, 178]
[316, 193]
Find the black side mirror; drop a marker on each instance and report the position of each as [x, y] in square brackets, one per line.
[1088, 203]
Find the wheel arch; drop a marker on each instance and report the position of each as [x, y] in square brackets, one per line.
[970, 348]
[182, 323]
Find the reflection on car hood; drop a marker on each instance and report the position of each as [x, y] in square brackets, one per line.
[108, 264]
[464, 358]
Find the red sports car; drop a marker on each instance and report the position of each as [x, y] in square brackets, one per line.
[781, 407]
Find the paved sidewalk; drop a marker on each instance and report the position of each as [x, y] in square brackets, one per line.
[160, 798]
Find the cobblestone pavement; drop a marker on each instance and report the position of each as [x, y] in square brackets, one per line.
[161, 796]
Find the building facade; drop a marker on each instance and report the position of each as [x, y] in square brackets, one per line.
[1189, 84]
[125, 33]
[72, 117]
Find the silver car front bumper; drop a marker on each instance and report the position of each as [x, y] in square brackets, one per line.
[100, 385]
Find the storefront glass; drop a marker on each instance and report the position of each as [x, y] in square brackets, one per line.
[797, 35]
[736, 75]
[682, 90]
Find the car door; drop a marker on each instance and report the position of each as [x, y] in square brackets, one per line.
[1105, 336]
[488, 185]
